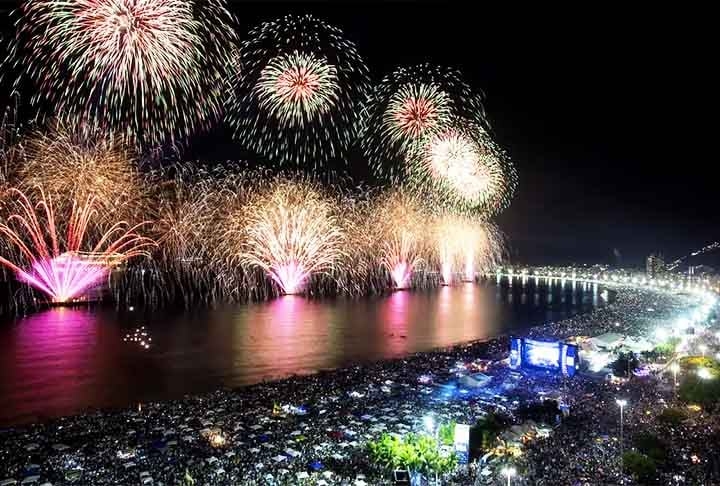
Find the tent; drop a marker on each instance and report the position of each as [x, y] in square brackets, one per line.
[608, 340]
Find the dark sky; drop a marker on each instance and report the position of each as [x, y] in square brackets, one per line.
[608, 113]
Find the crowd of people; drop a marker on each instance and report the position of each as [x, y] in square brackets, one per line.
[314, 429]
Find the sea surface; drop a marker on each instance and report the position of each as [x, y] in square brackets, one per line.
[65, 361]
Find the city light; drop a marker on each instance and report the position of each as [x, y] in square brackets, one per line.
[429, 423]
[621, 403]
[509, 473]
[704, 373]
[675, 368]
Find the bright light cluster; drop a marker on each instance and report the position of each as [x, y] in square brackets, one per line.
[146, 69]
[414, 111]
[65, 267]
[297, 88]
[291, 232]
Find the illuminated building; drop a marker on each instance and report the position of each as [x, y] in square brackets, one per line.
[654, 265]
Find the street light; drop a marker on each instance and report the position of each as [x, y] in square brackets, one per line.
[508, 472]
[429, 423]
[621, 403]
[675, 368]
[704, 373]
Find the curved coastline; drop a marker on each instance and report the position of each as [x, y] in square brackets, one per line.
[387, 391]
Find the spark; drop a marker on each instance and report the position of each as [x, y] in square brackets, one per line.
[65, 267]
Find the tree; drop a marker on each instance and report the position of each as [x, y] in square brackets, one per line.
[415, 452]
[487, 430]
[624, 364]
[652, 446]
[667, 349]
[640, 466]
[447, 433]
[694, 389]
[672, 416]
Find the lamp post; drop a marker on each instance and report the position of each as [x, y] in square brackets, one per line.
[508, 472]
[429, 423]
[675, 368]
[621, 403]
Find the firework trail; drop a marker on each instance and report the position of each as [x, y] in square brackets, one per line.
[460, 168]
[361, 272]
[450, 233]
[403, 233]
[407, 107]
[488, 251]
[191, 205]
[296, 91]
[291, 231]
[69, 167]
[65, 268]
[150, 70]
[465, 245]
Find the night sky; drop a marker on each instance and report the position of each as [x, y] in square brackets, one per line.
[606, 113]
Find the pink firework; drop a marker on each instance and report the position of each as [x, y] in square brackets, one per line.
[291, 231]
[446, 272]
[415, 111]
[289, 276]
[403, 236]
[469, 265]
[297, 87]
[65, 269]
[401, 273]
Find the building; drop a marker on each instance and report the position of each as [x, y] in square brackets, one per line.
[654, 265]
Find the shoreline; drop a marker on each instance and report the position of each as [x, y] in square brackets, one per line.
[333, 411]
[474, 344]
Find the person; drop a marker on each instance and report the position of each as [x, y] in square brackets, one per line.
[189, 481]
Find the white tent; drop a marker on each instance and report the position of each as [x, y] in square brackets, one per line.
[608, 340]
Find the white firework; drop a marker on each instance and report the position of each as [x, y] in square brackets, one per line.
[416, 110]
[295, 88]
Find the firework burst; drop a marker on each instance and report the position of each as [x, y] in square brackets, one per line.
[291, 231]
[408, 106]
[72, 167]
[296, 91]
[466, 245]
[146, 69]
[461, 168]
[403, 236]
[414, 111]
[449, 233]
[297, 88]
[65, 266]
